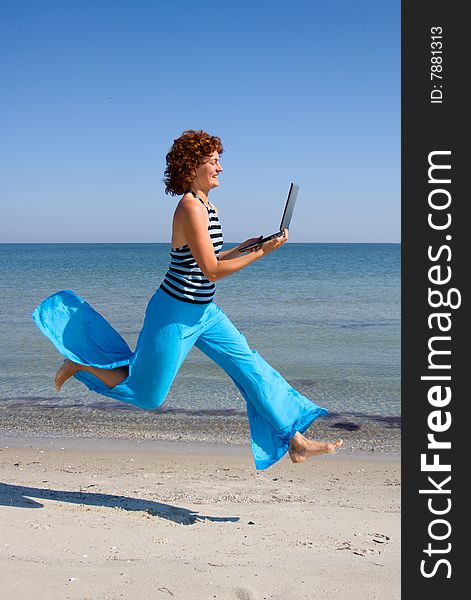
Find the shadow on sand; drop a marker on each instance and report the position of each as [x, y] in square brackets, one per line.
[26, 497]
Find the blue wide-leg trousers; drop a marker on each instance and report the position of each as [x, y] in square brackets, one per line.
[276, 411]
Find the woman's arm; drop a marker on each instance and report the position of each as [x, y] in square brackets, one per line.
[234, 252]
[194, 224]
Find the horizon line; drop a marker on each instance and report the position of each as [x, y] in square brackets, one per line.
[235, 243]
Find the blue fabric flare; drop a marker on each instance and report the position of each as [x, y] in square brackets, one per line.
[276, 411]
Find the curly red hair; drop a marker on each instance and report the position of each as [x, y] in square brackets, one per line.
[187, 153]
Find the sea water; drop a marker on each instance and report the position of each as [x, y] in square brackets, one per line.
[326, 316]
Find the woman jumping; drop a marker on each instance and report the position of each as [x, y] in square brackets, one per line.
[181, 314]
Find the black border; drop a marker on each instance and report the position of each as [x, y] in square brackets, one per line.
[428, 127]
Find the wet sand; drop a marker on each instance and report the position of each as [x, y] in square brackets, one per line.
[361, 433]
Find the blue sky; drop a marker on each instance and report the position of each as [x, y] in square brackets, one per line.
[96, 91]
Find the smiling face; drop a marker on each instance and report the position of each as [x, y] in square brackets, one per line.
[206, 177]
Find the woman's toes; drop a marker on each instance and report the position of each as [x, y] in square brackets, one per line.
[58, 383]
[66, 370]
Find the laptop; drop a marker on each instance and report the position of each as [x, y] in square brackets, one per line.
[285, 219]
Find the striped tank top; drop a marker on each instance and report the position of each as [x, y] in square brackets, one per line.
[184, 279]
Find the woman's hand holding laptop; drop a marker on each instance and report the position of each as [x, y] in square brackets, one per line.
[267, 246]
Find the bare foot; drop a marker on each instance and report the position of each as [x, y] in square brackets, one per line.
[66, 370]
[301, 449]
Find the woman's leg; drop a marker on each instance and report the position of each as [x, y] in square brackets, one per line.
[110, 377]
[156, 361]
[97, 355]
[278, 414]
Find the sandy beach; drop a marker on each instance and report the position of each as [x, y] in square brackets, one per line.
[89, 518]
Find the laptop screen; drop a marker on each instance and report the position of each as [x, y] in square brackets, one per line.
[289, 207]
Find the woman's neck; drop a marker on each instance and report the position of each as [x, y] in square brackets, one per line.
[203, 194]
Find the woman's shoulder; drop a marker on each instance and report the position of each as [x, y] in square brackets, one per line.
[188, 203]
[190, 209]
